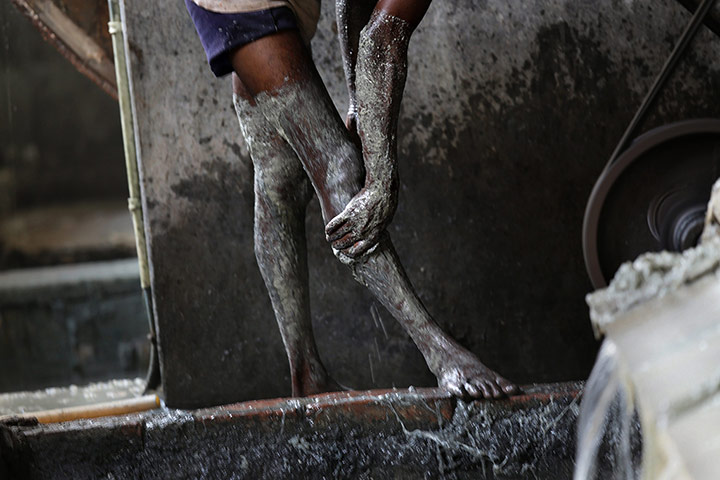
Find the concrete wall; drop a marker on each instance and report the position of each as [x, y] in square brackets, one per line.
[511, 111]
[71, 324]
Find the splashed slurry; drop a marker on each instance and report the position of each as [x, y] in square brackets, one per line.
[70, 396]
[659, 315]
[652, 276]
[375, 434]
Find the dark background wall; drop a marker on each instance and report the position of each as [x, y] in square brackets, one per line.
[59, 133]
[63, 196]
[511, 111]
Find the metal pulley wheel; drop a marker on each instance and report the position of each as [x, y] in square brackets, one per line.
[653, 197]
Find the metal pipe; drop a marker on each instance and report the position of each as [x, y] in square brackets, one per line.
[117, 33]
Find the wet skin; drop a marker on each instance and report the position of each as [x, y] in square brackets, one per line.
[298, 142]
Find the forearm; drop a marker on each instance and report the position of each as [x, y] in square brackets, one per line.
[380, 80]
[352, 16]
[381, 73]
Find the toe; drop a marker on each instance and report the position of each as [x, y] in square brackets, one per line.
[486, 392]
[496, 391]
[507, 387]
[472, 390]
[454, 389]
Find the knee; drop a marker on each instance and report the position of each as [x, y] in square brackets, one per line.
[281, 182]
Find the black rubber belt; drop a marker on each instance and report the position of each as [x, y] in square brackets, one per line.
[668, 69]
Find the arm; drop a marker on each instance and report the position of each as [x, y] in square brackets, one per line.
[351, 16]
[380, 79]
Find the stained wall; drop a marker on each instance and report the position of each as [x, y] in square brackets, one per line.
[511, 110]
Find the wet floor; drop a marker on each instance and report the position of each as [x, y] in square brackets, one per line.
[70, 396]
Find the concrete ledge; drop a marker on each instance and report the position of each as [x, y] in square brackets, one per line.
[419, 433]
[71, 233]
[33, 285]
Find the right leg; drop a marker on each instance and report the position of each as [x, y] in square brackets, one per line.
[282, 192]
[279, 73]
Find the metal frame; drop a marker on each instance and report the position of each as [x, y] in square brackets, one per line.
[639, 147]
[72, 40]
[630, 152]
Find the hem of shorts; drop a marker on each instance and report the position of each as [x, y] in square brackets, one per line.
[220, 64]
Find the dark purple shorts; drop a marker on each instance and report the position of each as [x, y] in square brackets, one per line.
[221, 33]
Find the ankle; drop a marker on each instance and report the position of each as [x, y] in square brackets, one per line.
[307, 374]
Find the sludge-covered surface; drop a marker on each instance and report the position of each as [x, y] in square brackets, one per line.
[375, 434]
[14, 403]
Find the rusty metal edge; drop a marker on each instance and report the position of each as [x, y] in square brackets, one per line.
[108, 85]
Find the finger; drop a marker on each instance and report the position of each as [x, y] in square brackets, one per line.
[346, 242]
[360, 248]
[340, 232]
[336, 223]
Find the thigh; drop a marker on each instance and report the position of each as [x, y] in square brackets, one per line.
[277, 169]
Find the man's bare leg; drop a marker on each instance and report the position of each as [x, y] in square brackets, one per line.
[282, 193]
[278, 72]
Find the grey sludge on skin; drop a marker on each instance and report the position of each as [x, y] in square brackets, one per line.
[302, 114]
[380, 78]
[282, 191]
[381, 73]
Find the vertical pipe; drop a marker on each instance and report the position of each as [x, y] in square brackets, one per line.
[115, 27]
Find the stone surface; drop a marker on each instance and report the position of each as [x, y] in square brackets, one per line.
[71, 324]
[375, 434]
[511, 111]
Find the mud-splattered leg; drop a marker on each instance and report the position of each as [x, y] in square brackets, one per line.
[280, 75]
[282, 192]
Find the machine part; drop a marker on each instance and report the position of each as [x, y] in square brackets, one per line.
[653, 197]
[127, 119]
[711, 21]
[666, 72]
[76, 29]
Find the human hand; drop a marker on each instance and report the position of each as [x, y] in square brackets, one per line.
[357, 229]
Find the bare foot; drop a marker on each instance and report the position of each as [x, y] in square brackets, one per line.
[462, 374]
